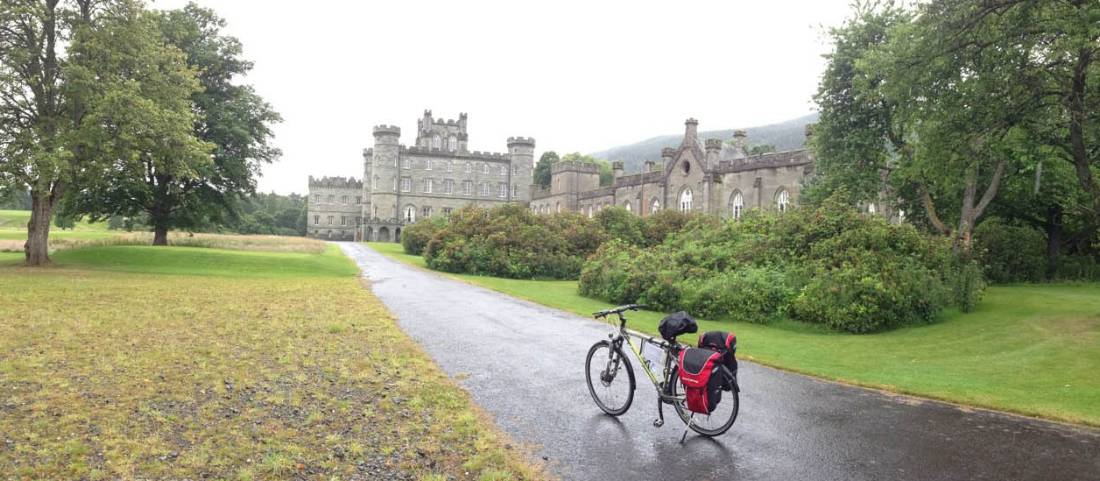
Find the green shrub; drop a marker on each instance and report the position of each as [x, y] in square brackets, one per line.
[752, 294]
[510, 241]
[659, 225]
[829, 265]
[617, 223]
[414, 238]
[877, 293]
[1010, 253]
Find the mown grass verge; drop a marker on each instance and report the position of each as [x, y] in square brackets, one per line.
[1028, 349]
[122, 362]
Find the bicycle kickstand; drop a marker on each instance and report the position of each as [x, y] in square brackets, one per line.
[660, 421]
[686, 427]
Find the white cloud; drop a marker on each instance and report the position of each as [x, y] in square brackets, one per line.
[576, 75]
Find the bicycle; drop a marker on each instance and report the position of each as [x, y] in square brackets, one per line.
[611, 363]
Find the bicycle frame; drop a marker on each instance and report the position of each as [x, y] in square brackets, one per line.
[660, 384]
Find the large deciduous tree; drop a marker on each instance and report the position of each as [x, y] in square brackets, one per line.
[138, 129]
[543, 166]
[37, 113]
[227, 115]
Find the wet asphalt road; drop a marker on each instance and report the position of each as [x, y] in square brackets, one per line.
[524, 364]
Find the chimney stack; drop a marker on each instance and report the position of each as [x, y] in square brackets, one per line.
[617, 169]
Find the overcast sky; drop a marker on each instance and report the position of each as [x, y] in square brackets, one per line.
[576, 75]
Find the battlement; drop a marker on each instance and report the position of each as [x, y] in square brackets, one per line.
[668, 152]
[387, 129]
[528, 141]
[336, 182]
[570, 166]
[416, 150]
[714, 144]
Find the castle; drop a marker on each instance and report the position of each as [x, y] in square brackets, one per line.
[437, 174]
[402, 184]
[709, 177]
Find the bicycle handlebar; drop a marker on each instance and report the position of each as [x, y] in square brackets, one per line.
[618, 310]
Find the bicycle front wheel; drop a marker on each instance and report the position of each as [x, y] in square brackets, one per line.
[610, 378]
[711, 424]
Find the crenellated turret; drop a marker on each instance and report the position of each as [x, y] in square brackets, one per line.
[521, 151]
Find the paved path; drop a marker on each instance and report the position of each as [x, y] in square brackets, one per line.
[524, 364]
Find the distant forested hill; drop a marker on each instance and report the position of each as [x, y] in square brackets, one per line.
[788, 135]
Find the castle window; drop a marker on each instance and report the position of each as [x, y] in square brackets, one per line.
[655, 207]
[448, 186]
[467, 187]
[344, 199]
[871, 208]
[426, 211]
[358, 200]
[436, 141]
[627, 206]
[503, 192]
[343, 220]
[782, 200]
[427, 186]
[395, 184]
[406, 163]
[557, 207]
[428, 164]
[485, 169]
[446, 212]
[515, 191]
[469, 167]
[330, 220]
[317, 198]
[331, 198]
[410, 213]
[737, 205]
[316, 220]
[454, 143]
[685, 200]
[503, 170]
[484, 189]
[406, 184]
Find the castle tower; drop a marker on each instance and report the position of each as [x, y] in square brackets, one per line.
[386, 173]
[521, 154]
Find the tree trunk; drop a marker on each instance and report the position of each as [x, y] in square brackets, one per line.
[37, 248]
[160, 236]
[1054, 239]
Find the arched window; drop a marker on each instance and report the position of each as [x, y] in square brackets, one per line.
[626, 205]
[737, 204]
[685, 200]
[453, 143]
[655, 206]
[782, 200]
[871, 208]
[436, 142]
[410, 214]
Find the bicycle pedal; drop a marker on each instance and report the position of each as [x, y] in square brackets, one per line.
[658, 423]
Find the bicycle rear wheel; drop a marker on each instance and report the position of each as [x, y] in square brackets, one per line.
[714, 423]
[604, 370]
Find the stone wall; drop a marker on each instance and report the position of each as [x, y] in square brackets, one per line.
[334, 208]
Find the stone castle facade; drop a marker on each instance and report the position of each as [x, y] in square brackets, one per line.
[714, 177]
[437, 174]
[402, 184]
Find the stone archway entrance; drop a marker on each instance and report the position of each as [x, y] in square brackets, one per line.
[383, 234]
[397, 234]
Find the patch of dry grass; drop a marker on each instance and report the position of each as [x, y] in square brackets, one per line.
[66, 240]
[118, 375]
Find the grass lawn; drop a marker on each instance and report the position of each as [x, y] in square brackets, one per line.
[1030, 349]
[135, 362]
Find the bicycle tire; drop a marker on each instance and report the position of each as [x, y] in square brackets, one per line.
[686, 415]
[597, 347]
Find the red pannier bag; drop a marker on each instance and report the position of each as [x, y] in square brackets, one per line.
[724, 343]
[696, 367]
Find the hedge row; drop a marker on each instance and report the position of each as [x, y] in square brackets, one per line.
[510, 241]
[831, 266]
